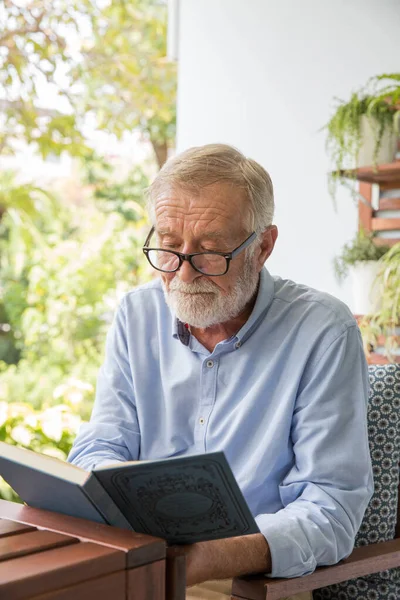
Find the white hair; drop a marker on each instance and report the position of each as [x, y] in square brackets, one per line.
[200, 166]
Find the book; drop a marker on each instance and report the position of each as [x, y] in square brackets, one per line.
[182, 499]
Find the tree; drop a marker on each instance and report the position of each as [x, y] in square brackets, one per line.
[34, 50]
[104, 58]
[29, 216]
[127, 81]
[63, 269]
[107, 58]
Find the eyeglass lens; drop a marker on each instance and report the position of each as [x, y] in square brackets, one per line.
[209, 264]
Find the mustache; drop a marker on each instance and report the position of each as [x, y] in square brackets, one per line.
[197, 287]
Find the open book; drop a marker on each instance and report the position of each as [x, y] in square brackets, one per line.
[183, 500]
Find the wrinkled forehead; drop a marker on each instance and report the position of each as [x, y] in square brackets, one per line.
[221, 206]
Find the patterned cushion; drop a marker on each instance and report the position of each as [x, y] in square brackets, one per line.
[380, 518]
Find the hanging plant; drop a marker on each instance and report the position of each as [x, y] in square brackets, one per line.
[379, 104]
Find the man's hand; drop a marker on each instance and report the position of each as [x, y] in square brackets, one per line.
[230, 557]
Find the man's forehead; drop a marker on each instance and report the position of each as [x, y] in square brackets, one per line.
[217, 190]
[218, 212]
[210, 235]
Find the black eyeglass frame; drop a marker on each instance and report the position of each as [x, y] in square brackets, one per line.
[227, 255]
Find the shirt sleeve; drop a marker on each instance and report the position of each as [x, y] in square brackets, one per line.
[327, 490]
[112, 434]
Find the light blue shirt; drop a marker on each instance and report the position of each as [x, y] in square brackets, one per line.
[285, 399]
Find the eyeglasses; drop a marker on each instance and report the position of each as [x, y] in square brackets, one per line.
[213, 264]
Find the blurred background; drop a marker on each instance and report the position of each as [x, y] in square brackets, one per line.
[90, 94]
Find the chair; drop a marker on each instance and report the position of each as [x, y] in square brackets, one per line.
[372, 571]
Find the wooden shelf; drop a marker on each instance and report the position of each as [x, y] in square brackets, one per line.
[385, 224]
[382, 174]
[381, 241]
[380, 359]
[389, 204]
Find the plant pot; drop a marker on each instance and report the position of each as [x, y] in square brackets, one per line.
[388, 146]
[366, 297]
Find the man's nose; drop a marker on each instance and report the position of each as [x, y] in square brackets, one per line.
[186, 273]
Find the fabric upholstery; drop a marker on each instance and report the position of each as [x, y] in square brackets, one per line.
[380, 519]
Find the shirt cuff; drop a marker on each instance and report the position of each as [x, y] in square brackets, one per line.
[291, 555]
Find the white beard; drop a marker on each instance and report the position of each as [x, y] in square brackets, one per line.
[201, 304]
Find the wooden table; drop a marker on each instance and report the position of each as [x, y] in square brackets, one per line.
[48, 556]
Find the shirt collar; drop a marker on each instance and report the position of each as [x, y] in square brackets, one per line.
[264, 299]
[265, 295]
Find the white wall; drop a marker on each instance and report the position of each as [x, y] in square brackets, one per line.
[262, 75]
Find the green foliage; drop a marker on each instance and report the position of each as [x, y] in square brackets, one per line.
[59, 306]
[60, 309]
[379, 102]
[102, 58]
[387, 89]
[28, 214]
[70, 291]
[344, 129]
[29, 218]
[50, 431]
[39, 382]
[35, 47]
[127, 82]
[63, 265]
[362, 248]
[125, 196]
[385, 321]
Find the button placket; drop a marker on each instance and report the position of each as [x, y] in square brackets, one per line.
[208, 385]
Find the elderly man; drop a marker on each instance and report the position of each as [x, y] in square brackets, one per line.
[216, 354]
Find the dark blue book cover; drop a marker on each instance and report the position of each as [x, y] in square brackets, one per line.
[182, 500]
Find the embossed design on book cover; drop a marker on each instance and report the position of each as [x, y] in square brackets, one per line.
[182, 501]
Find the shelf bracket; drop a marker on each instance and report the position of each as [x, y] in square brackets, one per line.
[364, 200]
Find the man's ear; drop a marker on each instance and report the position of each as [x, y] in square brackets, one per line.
[268, 239]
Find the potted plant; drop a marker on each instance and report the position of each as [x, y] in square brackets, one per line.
[382, 327]
[390, 90]
[363, 131]
[360, 259]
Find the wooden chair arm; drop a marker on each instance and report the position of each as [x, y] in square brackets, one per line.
[176, 573]
[362, 561]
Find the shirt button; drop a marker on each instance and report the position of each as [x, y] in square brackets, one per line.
[237, 345]
[210, 364]
[201, 421]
